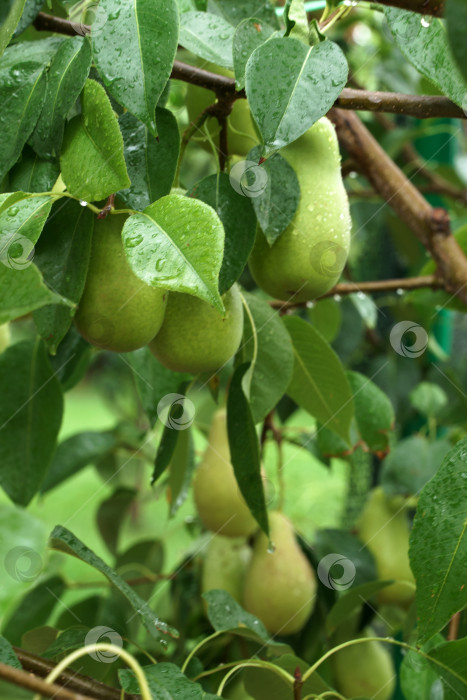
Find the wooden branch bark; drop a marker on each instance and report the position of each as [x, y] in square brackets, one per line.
[26, 680]
[430, 225]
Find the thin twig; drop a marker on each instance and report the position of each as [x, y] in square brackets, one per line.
[453, 630]
[22, 679]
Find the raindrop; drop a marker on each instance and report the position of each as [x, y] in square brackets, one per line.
[83, 203]
[425, 21]
[271, 547]
[12, 211]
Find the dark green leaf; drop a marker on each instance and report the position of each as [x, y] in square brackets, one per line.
[30, 12]
[33, 174]
[30, 418]
[290, 86]
[244, 449]
[134, 50]
[34, 609]
[75, 453]
[455, 12]
[22, 291]
[208, 36]
[249, 34]
[165, 681]
[359, 484]
[111, 513]
[266, 344]
[351, 601]
[151, 162]
[426, 46]
[7, 655]
[69, 639]
[225, 613]
[65, 541]
[451, 667]
[72, 359]
[182, 466]
[62, 256]
[92, 161]
[148, 554]
[411, 464]
[355, 564]
[238, 219]
[235, 12]
[319, 384]
[68, 72]
[177, 243]
[278, 194]
[438, 544]
[373, 412]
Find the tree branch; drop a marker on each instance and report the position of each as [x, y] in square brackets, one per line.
[423, 7]
[430, 225]
[26, 680]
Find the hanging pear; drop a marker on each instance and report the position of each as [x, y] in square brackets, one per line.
[280, 585]
[220, 505]
[307, 259]
[224, 565]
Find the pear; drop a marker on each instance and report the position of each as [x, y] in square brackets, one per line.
[241, 134]
[219, 502]
[280, 585]
[224, 565]
[5, 336]
[309, 256]
[364, 670]
[117, 311]
[195, 337]
[384, 529]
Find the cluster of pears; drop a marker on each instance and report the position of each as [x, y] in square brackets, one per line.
[307, 259]
[384, 528]
[120, 312]
[273, 582]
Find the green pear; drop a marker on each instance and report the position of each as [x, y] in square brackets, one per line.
[280, 585]
[307, 259]
[384, 529]
[224, 565]
[195, 337]
[364, 670]
[117, 310]
[241, 134]
[219, 502]
[5, 336]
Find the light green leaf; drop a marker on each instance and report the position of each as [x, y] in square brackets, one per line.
[296, 17]
[182, 466]
[177, 244]
[207, 36]
[134, 50]
[22, 291]
[92, 160]
[10, 14]
[21, 224]
[249, 34]
[319, 384]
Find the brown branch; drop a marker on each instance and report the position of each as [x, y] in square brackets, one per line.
[26, 680]
[48, 23]
[430, 225]
[423, 7]
[453, 630]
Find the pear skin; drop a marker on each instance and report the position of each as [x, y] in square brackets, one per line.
[280, 586]
[224, 565]
[4, 336]
[364, 670]
[117, 311]
[384, 529]
[307, 259]
[195, 337]
[219, 502]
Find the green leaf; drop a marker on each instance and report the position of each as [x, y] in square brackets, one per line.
[30, 12]
[145, 553]
[10, 14]
[418, 678]
[358, 486]
[438, 544]
[62, 256]
[235, 12]
[319, 384]
[34, 609]
[451, 667]
[455, 12]
[296, 20]
[354, 559]
[351, 601]
[23, 291]
[153, 380]
[224, 614]
[264, 684]
[171, 433]
[151, 162]
[66, 77]
[72, 359]
[65, 541]
[134, 50]
[111, 513]
[208, 36]
[249, 34]
[182, 466]
[165, 681]
[33, 174]
[290, 86]
[7, 655]
[92, 161]
[326, 317]
[276, 202]
[177, 243]
[75, 453]
[22, 94]
[266, 345]
[411, 464]
[244, 449]
[21, 225]
[238, 219]
[427, 48]
[428, 398]
[373, 412]
[30, 418]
